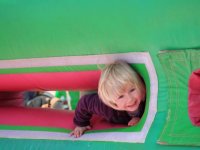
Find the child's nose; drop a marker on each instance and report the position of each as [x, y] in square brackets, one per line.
[129, 97]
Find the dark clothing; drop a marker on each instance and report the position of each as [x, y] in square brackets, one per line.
[36, 99]
[91, 104]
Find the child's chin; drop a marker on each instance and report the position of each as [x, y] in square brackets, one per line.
[129, 109]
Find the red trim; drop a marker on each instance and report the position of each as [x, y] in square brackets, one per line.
[45, 117]
[194, 98]
[20, 116]
[82, 80]
[11, 99]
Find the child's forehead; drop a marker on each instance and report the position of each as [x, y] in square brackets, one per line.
[128, 84]
[126, 87]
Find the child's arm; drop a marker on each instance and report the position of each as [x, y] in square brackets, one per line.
[87, 106]
[83, 113]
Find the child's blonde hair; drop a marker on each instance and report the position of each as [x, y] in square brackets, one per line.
[115, 78]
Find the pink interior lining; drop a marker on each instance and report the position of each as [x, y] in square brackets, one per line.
[194, 98]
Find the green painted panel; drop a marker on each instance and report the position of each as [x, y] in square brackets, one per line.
[178, 66]
[67, 27]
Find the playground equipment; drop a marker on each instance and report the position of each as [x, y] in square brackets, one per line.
[59, 45]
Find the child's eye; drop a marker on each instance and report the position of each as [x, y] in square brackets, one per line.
[132, 90]
[120, 96]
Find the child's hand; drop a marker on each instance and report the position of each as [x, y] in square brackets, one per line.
[133, 121]
[78, 131]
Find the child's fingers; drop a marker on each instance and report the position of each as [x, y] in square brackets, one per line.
[88, 127]
[78, 133]
[130, 124]
[133, 121]
[74, 133]
[71, 133]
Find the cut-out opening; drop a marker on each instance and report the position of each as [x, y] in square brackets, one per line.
[48, 99]
[136, 133]
[194, 97]
[97, 121]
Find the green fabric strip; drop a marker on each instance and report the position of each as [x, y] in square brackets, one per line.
[33, 128]
[178, 65]
[48, 69]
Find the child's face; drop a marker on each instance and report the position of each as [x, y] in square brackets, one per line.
[130, 99]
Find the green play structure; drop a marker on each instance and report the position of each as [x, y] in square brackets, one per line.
[168, 30]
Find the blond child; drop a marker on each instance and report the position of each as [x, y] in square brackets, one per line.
[120, 98]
